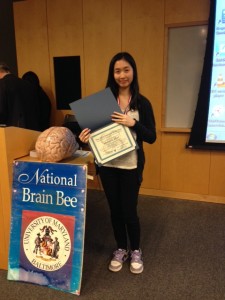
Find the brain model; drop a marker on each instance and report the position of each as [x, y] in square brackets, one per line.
[55, 144]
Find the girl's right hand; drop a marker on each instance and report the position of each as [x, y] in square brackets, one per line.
[84, 135]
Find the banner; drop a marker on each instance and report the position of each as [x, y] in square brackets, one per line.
[48, 224]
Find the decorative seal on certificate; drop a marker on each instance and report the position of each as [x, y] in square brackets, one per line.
[46, 243]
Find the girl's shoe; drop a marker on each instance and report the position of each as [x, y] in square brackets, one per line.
[119, 257]
[136, 263]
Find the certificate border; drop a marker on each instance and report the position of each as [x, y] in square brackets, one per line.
[101, 160]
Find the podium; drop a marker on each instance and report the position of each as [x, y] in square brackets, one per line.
[15, 142]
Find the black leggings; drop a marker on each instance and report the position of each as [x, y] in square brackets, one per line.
[121, 189]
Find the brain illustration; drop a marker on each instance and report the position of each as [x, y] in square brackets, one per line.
[55, 144]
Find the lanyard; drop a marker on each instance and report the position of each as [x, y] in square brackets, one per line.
[128, 105]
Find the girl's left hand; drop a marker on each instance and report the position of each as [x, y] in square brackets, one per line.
[123, 119]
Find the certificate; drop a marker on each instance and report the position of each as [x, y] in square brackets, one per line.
[110, 142]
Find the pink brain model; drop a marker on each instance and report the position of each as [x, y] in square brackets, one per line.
[55, 144]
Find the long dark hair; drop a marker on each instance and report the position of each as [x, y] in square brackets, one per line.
[134, 87]
[31, 77]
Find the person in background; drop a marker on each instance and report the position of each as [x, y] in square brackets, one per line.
[121, 178]
[43, 99]
[18, 101]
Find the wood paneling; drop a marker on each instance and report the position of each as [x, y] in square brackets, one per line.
[102, 40]
[217, 178]
[143, 36]
[180, 11]
[32, 41]
[183, 170]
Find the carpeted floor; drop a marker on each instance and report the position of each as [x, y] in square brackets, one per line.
[184, 255]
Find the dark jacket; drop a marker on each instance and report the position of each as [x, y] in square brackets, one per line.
[45, 109]
[18, 103]
[145, 130]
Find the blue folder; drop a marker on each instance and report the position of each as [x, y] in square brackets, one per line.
[94, 111]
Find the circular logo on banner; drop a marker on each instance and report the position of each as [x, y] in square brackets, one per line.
[47, 243]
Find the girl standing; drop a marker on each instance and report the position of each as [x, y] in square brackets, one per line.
[121, 178]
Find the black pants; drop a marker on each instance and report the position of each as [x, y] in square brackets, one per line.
[121, 189]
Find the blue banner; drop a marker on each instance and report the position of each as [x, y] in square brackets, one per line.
[48, 224]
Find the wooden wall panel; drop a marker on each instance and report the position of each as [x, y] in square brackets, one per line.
[102, 40]
[32, 40]
[217, 178]
[183, 170]
[180, 11]
[65, 38]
